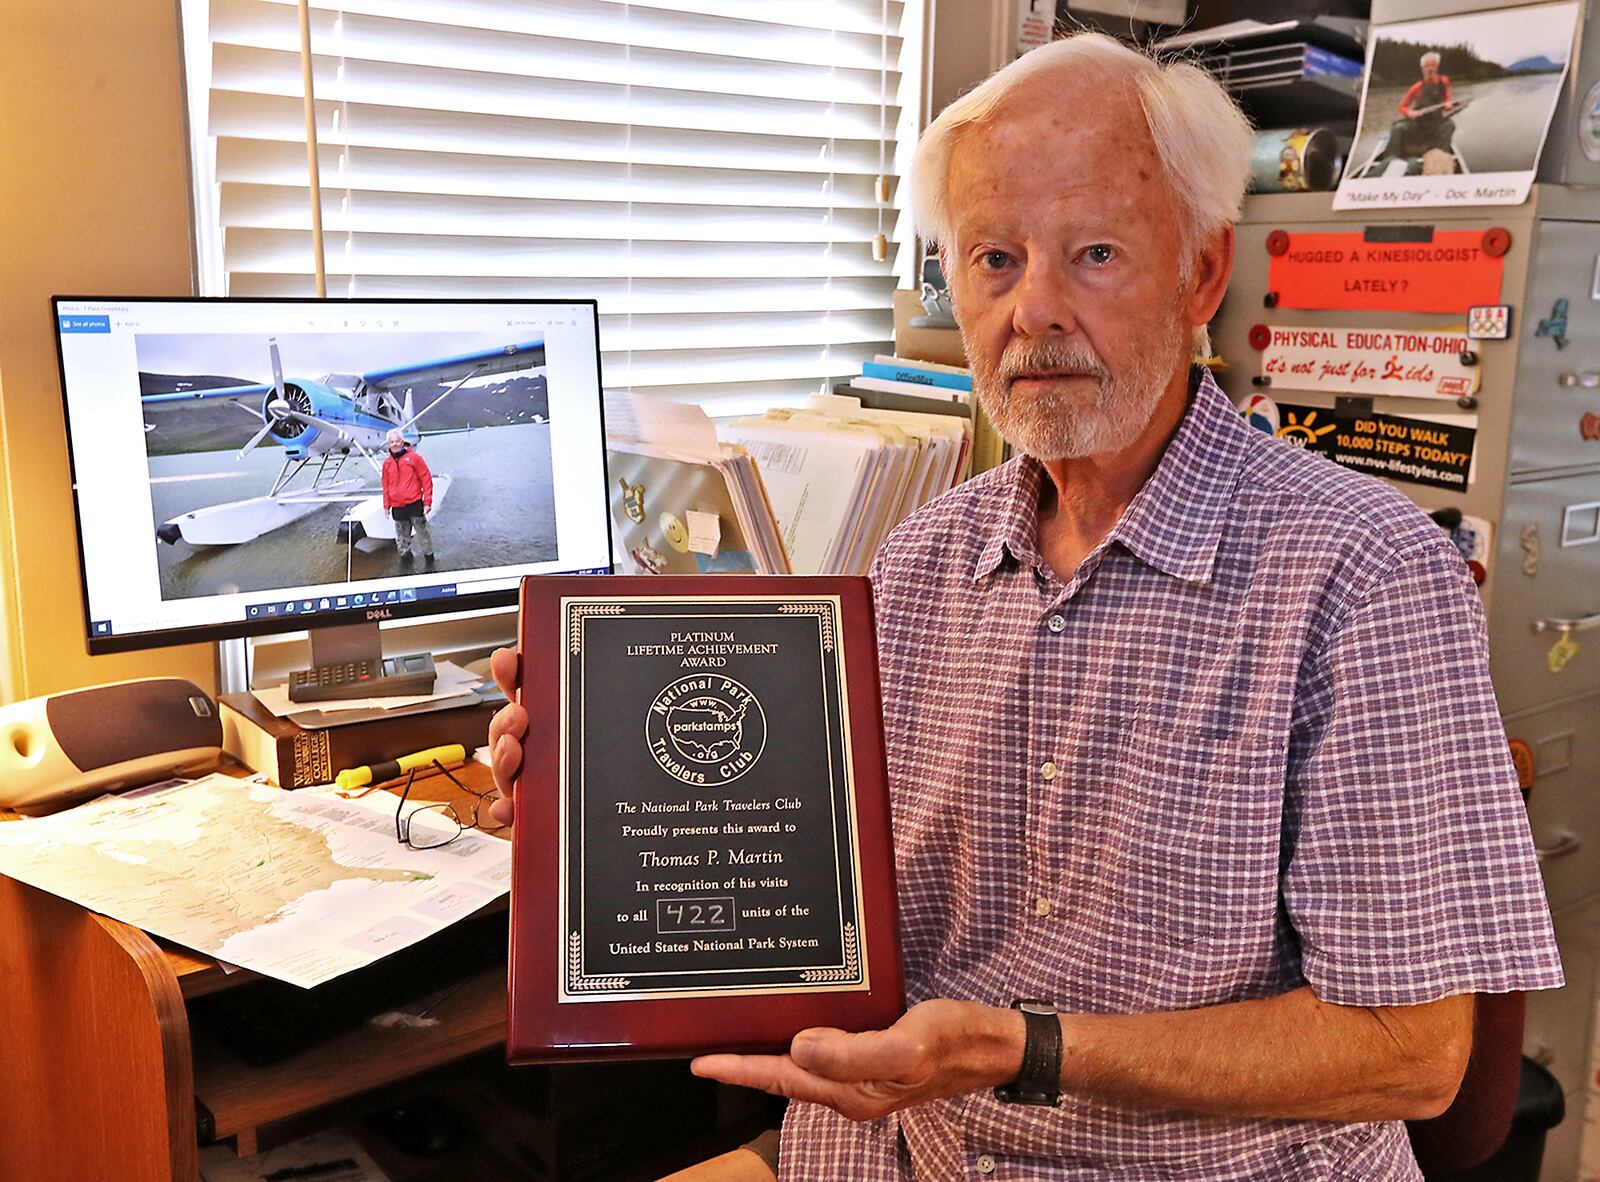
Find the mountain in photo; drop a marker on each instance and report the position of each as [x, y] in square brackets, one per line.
[1538, 64]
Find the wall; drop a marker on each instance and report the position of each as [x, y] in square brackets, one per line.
[93, 200]
[970, 42]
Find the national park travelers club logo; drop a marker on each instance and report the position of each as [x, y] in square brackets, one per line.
[706, 730]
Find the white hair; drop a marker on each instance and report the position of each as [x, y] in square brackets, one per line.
[1430, 56]
[1201, 136]
[396, 435]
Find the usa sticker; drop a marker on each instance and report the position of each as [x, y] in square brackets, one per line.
[1489, 322]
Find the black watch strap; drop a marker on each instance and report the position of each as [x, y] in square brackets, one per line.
[1039, 1081]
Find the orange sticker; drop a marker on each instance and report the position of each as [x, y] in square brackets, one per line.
[1451, 272]
[1522, 759]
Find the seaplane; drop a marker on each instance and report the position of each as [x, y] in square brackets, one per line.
[324, 425]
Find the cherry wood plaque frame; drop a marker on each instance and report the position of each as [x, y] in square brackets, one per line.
[551, 1018]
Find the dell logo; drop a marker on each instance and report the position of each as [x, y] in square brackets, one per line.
[379, 613]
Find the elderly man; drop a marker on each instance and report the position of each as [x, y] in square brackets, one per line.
[408, 498]
[1192, 746]
[1425, 124]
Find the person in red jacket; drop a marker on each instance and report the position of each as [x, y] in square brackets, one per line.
[408, 496]
[1426, 109]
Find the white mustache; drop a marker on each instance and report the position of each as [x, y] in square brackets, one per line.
[1023, 359]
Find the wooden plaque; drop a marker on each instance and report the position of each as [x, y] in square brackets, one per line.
[702, 853]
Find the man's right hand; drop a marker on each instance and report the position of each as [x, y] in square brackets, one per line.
[506, 731]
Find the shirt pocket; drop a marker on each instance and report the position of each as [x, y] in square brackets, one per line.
[1190, 831]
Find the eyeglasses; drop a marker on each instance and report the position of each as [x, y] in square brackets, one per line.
[440, 821]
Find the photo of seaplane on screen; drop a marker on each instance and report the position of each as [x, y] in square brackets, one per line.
[332, 432]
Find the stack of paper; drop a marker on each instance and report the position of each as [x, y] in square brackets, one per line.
[908, 383]
[682, 501]
[841, 475]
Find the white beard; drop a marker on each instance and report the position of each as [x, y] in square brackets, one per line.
[1062, 424]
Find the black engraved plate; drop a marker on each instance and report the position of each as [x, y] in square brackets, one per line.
[708, 833]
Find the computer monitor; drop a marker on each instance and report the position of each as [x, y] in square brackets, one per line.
[227, 459]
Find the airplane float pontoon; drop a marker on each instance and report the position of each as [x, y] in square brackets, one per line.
[320, 422]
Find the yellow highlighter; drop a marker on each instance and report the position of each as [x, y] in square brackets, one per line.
[360, 777]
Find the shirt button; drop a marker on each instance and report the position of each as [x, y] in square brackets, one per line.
[1048, 770]
[1056, 623]
[985, 1163]
[1041, 907]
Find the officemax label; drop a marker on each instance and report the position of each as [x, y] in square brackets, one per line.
[1343, 270]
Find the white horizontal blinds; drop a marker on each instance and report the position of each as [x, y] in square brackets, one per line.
[706, 169]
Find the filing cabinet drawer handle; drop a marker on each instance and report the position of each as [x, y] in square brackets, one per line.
[1583, 624]
[1565, 844]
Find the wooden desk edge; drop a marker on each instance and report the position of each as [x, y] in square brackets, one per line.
[112, 979]
[96, 1062]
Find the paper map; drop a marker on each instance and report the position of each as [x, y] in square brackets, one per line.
[302, 886]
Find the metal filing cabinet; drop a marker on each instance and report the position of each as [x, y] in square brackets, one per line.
[1535, 478]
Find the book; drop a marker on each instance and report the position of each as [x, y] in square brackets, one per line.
[921, 364]
[924, 401]
[291, 756]
[905, 371]
[989, 448]
[921, 389]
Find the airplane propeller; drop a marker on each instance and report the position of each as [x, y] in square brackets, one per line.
[266, 428]
[289, 418]
[277, 366]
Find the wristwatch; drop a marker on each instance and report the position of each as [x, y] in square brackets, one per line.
[1039, 1081]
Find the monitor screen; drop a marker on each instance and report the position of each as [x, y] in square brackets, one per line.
[232, 469]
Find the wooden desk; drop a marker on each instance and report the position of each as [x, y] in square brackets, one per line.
[99, 1071]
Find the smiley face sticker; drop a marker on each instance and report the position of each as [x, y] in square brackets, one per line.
[676, 533]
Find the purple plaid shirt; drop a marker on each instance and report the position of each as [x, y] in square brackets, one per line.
[1250, 744]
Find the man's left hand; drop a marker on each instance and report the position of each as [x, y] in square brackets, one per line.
[938, 1048]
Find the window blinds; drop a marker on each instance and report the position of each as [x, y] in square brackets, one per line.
[707, 169]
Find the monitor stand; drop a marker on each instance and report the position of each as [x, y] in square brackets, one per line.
[347, 662]
[344, 643]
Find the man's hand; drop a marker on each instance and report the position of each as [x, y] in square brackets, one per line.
[938, 1048]
[506, 730]
[1288, 1057]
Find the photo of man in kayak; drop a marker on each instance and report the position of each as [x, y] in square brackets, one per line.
[1426, 112]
